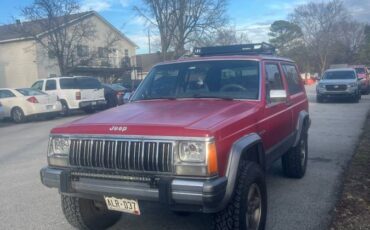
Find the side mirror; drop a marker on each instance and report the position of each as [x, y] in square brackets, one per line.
[278, 95]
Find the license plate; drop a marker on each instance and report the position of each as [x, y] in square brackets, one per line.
[93, 103]
[49, 107]
[122, 205]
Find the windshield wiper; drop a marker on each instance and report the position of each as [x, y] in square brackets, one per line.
[216, 97]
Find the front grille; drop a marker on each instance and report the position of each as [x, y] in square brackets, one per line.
[336, 87]
[130, 155]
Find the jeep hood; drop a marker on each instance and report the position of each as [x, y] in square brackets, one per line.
[196, 117]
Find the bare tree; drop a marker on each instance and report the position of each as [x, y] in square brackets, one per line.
[223, 36]
[319, 23]
[159, 13]
[55, 25]
[179, 22]
[195, 18]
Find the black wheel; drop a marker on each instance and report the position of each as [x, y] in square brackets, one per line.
[88, 214]
[65, 109]
[248, 208]
[295, 160]
[18, 115]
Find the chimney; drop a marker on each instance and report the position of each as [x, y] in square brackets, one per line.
[18, 21]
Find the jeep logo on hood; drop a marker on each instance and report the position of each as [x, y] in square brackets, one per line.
[118, 128]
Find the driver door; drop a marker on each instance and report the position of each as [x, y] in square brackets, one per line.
[276, 123]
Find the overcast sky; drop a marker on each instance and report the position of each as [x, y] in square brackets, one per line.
[251, 16]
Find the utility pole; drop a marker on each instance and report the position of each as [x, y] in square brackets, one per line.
[149, 40]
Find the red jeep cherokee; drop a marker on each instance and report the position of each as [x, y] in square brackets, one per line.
[197, 136]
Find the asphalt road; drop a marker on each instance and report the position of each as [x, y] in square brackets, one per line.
[293, 204]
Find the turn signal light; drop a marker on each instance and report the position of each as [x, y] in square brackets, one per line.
[212, 159]
[33, 100]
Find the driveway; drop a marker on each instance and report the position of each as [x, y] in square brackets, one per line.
[293, 204]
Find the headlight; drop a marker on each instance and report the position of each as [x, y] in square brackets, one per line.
[352, 85]
[192, 152]
[58, 151]
[196, 158]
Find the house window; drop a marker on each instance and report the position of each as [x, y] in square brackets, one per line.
[126, 52]
[102, 52]
[82, 51]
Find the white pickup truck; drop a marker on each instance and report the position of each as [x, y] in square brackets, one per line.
[85, 93]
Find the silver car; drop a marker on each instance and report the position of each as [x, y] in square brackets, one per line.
[338, 83]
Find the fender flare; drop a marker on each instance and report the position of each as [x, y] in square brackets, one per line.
[303, 115]
[232, 169]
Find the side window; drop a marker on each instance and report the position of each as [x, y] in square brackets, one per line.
[6, 94]
[51, 85]
[273, 77]
[37, 85]
[293, 79]
[273, 80]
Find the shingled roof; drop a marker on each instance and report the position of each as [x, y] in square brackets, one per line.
[10, 32]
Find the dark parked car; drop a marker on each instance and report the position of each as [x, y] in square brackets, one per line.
[113, 94]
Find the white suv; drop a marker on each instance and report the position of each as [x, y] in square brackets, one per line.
[85, 93]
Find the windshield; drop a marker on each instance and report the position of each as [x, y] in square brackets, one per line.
[30, 92]
[360, 70]
[80, 83]
[205, 79]
[339, 75]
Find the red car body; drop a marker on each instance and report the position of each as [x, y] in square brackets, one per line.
[226, 121]
[364, 77]
[213, 148]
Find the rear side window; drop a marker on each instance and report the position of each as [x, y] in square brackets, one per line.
[51, 85]
[293, 79]
[80, 83]
[88, 83]
[30, 92]
[6, 94]
[37, 85]
[68, 83]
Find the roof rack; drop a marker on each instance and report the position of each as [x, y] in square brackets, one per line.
[243, 49]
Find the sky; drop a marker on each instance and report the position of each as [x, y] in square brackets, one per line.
[251, 16]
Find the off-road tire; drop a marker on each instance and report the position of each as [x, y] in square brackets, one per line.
[18, 115]
[233, 217]
[84, 214]
[294, 165]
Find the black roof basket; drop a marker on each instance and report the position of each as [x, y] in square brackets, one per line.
[244, 49]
